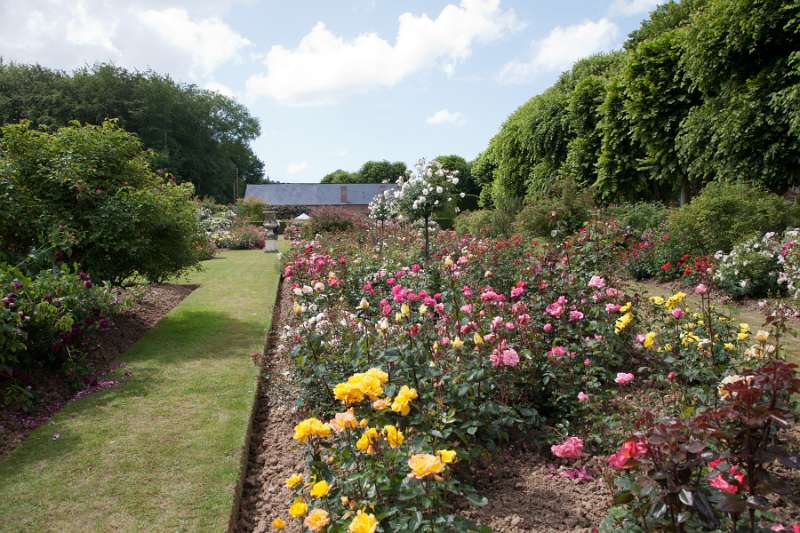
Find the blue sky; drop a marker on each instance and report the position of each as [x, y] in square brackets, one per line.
[335, 83]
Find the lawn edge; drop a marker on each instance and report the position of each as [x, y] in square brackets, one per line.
[270, 333]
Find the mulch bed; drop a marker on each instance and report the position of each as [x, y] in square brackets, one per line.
[52, 391]
[272, 456]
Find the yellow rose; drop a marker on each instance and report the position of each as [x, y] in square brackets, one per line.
[405, 309]
[342, 421]
[311, 427]
[279, 523]
[447, 456]
[297, 308]
[298, 508]
[744, 327]
[423, 309]
[364, 442]
[381, 403]
[623, 322]
[762, 336]
[320, 489]
[403, 399]
[625, 308]
[363, 304]
[348, 393]
[743, 336]
[294, 480]
[649, 339]
[458, 343]
[363, 523]
[729, 346]
[674, 300]
[378, 374]
[423, 465]
[317, 520]
[657, 300]
[393, 436]
[477, 339]
[448, 261]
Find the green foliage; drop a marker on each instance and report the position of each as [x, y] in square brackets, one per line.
[639, 216]
[724, 214]
[251, 211]
[370, 172]
[48, 319]
[327, 220]
[474, 223]
[704, 90]
[88, 193]
[553, 216]
[198, 135]
[466, 182]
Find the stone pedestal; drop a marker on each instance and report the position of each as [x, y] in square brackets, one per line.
[271, 226]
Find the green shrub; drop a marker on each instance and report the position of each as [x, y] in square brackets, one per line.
[554, 215]
[328, 220]
[251, 211]
[88, 194]
[724, 214]
[48, 319]
[474, 222]
[639, 216]
[243, 237]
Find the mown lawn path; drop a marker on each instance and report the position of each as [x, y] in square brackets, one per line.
[162, 450]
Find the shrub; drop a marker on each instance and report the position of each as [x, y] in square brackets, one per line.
[640, 216]
[244, 237]
[251, 211]
[328, 220]
[88, 193]
[549, 217]
[474, 222]
[48, 319]
[724, 214]
[751, 268]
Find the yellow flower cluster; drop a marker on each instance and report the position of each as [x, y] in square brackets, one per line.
[424, 465]
[393, 435]
[368, 384]
[311, 427]
[673, 301]
[624, 321]
[649, 340]
[401, 403]
[367, 439]
[744, 331]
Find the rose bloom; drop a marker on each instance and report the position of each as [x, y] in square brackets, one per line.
[317, 520]
[572, 448]
[583, 397]
[630, 450]
[423, 465]
[554, 309]
[623, 378]
[548, 327]
[677, 312]
[575, 315]
[701, 289]
[671, 376]
[596, 282]
[363, 523]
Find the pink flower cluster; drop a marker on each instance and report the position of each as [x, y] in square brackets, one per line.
[629, 453]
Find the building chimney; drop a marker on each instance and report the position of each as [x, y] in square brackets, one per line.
[343, 194]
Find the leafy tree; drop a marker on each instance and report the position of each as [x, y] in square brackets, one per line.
[339, 176]
[88, 194]
[466, 183]
[381, 171]
[200, 136]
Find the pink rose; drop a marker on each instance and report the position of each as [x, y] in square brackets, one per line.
[671, 376]
[575, 315]
[510, 357]
[572, 448]
[623, 378]
[516, 292]
[583, 397]
[548, 327]
[612, 308]
[554, 309]
[557, 351]
[677, 312]
[701, 289]
[597, 282]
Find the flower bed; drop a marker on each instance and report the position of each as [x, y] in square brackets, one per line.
[412, 373]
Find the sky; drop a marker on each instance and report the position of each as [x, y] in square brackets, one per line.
[335, 83]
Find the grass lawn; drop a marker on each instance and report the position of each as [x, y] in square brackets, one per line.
[741, 312]
[161, 451]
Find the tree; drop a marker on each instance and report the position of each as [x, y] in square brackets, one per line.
[200, 136]
[339, 176]
[380, 171]
[466, 184]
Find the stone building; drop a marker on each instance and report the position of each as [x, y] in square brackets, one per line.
[289, 200]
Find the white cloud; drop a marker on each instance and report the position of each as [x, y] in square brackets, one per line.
[562, 47]
[221, 88]
[189, 40]
[633, 7]
[443, 116]
[297, 168]
[325, 67]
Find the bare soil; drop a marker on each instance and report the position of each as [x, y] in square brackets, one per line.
[51, 390]
[273, 456]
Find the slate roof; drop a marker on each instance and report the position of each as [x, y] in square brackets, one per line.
[316, 193]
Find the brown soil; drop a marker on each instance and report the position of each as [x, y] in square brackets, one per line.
[528, 493]
[52, 391]
[273, 456]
